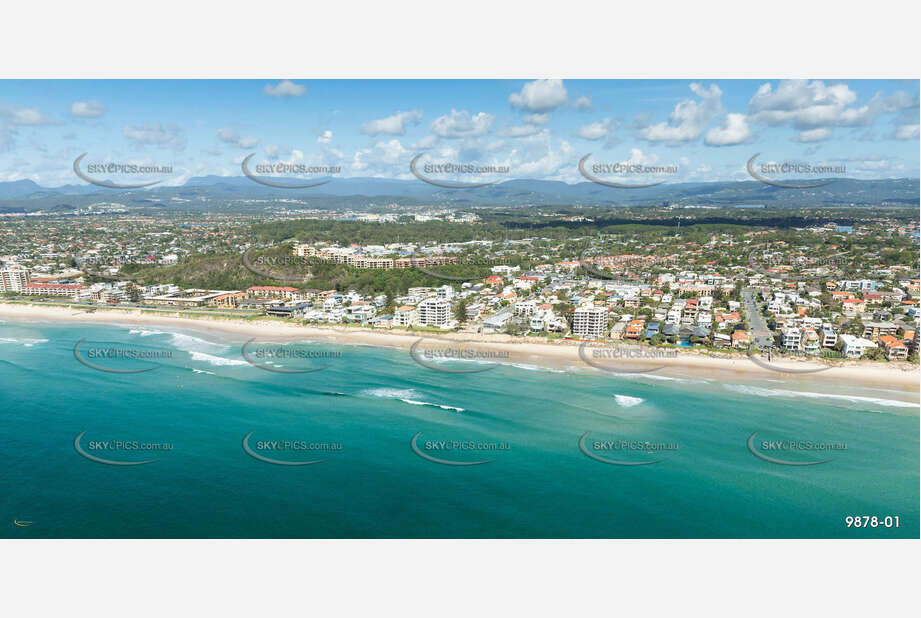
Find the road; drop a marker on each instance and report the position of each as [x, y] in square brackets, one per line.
[755, 321]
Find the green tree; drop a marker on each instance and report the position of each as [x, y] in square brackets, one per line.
[460, 310]
[134, 294]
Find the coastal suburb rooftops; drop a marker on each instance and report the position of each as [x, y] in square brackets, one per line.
[271, 288]
[891, 342]
[54, 286]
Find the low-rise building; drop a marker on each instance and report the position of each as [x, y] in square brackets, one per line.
[405, 316]
[810, 341]
[853, 306]
[272, 291]
[740, 339]
[855, 347]
[895, 349]
[71, 290]
[874, 330]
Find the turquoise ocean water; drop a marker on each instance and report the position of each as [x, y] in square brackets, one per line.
[204, 398]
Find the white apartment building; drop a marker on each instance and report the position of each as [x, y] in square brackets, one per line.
[590, 321]
[854, 347]
[474, 310]
[433, 312]
[812, 322]
[791, 338]
[405, 316]
[827, 336]
[525, 308]
[859, 284]
[13, 279]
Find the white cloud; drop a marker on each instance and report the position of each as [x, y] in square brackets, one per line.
[24, 116]
[595, 130]
[87, 109]
[541, 95]
[426, 142]
[392, 125]
[283, 89]
[540, 119]
[7, 135]
[521, 131]
[383, 159]
[812, 105]
[734, 130]
[169, 136]
[907, 131]
[537, 157]
[462, 124]
[583, 104]
[805, 104]
[229, 136]
[276, 151]
[688, 120]
[813, 135]
[637, 157]
[325, 138]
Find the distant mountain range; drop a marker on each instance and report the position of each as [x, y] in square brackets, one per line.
[26, 195]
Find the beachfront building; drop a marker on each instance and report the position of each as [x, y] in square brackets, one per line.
[71, 290]
[433, 312]
[634, 330]
[828, 336]
[791, 338]
[740, 339]
[895, 349]
[810, 341]
[13, 279]
[405, 316]
[590, 321]
[855, 347]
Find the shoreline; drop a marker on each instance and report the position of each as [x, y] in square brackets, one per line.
[563, 355]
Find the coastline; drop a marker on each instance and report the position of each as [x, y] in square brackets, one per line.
[563, 355]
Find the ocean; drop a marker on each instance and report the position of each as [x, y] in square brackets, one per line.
[544, 452]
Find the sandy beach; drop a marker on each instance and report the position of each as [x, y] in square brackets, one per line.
[562, 355]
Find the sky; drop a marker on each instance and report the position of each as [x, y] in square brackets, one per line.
[707, 129]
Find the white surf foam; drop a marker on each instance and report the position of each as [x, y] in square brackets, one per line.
[778, 392]
[194, 344]
[628, 402]
[215, 360]
[407, 395]
[25, 341]
[143, 332]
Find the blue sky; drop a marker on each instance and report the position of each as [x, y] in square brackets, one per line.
[539, 128]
